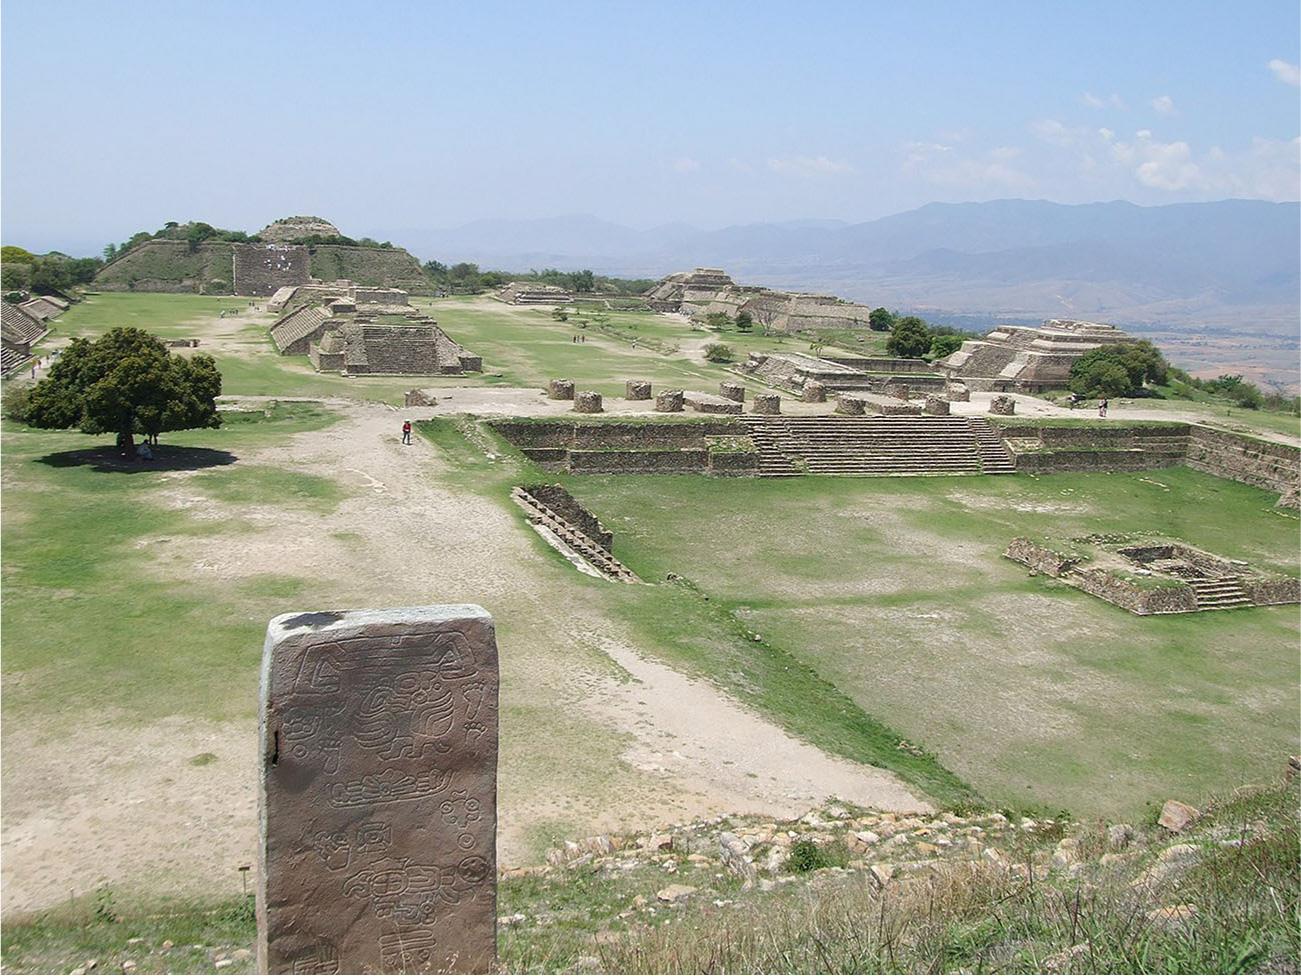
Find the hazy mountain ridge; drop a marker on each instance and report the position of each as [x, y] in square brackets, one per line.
[1196, 264]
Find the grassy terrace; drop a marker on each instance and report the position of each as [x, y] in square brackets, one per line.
[895, 593]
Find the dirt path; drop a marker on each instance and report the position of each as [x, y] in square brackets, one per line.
[170, 806]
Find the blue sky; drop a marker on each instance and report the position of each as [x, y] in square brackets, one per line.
[391, 115]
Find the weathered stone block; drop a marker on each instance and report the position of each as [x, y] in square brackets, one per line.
[588, 402]
[937, 406]
[1175, 816]
[378, 792]
[767, 403]
[958, 393]
[669, 401]
[732, 391]
[560, 389]
[814, 392]
[850, 406]
[897, 390]
[637, 390]
[1004, 406]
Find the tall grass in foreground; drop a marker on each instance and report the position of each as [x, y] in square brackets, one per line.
[1237, 911]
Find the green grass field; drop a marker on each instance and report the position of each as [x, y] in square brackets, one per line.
[86, 590]
[894, 592]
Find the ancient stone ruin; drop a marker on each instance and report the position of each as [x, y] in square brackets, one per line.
[704, 291]
[588, 402]
[19, 330]
[533, 293]
[814, 392]
[1016, 357]
[637, 390]
[357, 349]
[769, 404]
[572, 530]
[1153, 575]
[709, 403]
[560, 389]
[937, 406]
[732, 391]
[670, 401]
[1003, 406]
[856, 374]
[850, 406]
[378, 792]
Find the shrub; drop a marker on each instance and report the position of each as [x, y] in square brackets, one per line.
[805, 855]
[717, 352]
[717, 320]
[17, 397]
[909, 339]
[880, 320]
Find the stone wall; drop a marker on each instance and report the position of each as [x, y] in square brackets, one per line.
[567, 507]
[371, 267]
[1264, 464]
[1269, 592]
[1174, 598]
[1039, 558]
[619, 446]
[1128, 446]
[263, 269]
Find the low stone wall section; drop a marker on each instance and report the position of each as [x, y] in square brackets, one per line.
[768, 404]
[1039, 558]
[1271, 592]
[567, 507]
[1264, 464]
[637, 390]
[588, 402]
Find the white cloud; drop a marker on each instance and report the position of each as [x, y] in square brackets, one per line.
[1057, 133]
[1286, 72]
[685, 164]
[984, 173]
[1164, 104]
[809, 166]
[1269, 169]
[1111, 101]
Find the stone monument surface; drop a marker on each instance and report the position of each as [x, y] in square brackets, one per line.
[378, 792]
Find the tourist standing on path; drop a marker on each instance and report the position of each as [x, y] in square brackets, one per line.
[1102, 407]
[406, 432]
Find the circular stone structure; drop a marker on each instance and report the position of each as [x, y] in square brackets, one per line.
[588, 402]
[767, 403]
[560, 389]
[814, 392]
[899, 391]
[937, 406]
[637, 390]
[850, 406]
[958, 393]
[670, 401]
[733, 391]
[1004, 406]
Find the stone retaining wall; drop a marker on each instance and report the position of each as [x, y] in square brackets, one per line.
[567, 507]
[1264, 464]
[1270, 592]
[1039, 558]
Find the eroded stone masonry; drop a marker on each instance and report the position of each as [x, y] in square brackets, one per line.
[378, 792]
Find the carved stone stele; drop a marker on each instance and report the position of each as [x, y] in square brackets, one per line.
[378, 792]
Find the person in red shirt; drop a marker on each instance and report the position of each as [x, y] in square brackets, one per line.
[406, 432]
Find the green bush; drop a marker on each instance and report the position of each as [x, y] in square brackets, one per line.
[807, 856]
[717, 352]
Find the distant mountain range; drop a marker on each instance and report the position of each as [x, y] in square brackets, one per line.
[1229, 265]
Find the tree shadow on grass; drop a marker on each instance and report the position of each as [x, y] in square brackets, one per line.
[166, 458]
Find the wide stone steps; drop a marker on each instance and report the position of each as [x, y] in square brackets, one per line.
[876, 445]
[1220, 593]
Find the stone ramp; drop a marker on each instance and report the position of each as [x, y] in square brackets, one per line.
[876, 446]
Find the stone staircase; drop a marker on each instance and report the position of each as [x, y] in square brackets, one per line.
[1220, 593]
[994, 455]
[599, 558]
[875, 446]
